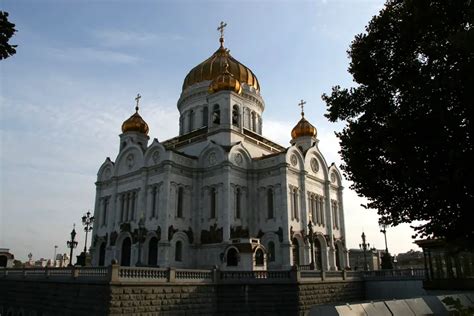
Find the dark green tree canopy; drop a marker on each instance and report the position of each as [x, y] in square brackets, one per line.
[408, 142]
[7, 29]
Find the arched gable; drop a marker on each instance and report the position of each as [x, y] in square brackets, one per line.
[335, 176]
[240, 156]
[211, 155]
[106, 170]
[154, 154]
[294, 157]
[129, 160]
[316, 164]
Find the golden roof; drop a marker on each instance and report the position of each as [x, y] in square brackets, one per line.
[214, 66]
[225, 81]
[135, 123]
[303, 128]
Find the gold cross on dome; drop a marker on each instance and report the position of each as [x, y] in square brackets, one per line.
[301, 104]
[221, 28]
[138, 100]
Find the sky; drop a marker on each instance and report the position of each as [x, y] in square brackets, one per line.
[80, 64]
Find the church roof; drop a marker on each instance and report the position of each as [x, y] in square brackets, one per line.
[214, 66]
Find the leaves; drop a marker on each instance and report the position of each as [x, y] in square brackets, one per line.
[7, 29]
[407, 145]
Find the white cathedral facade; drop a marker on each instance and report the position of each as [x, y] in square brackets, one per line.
[219, 194]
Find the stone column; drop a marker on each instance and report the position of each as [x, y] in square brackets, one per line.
[329, 223]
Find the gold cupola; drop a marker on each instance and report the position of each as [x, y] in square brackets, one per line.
[135, 123]
[303, 128]
[214, 67]
[225, 81]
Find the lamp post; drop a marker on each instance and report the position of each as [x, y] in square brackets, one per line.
[386, 258]
[87, 221]
[71, 244]
[311, 241]
[54, 257]
[364, 246]
[141, 231]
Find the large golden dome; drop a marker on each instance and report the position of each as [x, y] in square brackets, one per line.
[225, 81]
[214, 66]
[303, 128]
[135, 123]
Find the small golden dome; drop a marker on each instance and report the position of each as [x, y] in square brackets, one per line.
[214, 66]
[225, 81]
[303, 128]
[135, 123]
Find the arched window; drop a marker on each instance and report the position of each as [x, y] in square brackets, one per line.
[271, 251]
[179, 211]
[101, 254]
[237, 203]
[205, 116]
[178, 252]
[232, 257]
[318, 254]
[125, 253]
[213, 198]
[253, 122]
[104, 211]
[216, 115]
[296, 251]
[153, 252]
[294, 194]
[259, 258]
[235, 115]
[191, 120]
[321, 209]
[154, 202]
[270, 203]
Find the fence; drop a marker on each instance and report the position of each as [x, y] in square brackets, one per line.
[146, 275]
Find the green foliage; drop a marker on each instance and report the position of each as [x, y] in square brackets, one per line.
[386, 261]
[7, 29]
[408, 142]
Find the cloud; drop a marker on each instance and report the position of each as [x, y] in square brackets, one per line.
[117, 38]
[89, 54]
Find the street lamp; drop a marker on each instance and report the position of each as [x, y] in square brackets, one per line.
[364, 246]
[72, 243]
[141, 231]
[54, 257]
[87, 221]
[386, 258]
[311, 241]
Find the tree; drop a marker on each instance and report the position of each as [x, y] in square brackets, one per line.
[7, 29]
[408, 143]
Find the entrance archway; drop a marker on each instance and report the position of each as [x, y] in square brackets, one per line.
[296, 252]
[318, 259]
[153, 251]
[102, 254]
[126, 251]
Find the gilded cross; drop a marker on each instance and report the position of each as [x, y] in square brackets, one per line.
[138, 100]
[221, 28]
[301, 104]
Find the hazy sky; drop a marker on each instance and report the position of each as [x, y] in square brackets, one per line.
[79, 65]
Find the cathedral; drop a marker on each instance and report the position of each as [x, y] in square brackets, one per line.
[219, 194]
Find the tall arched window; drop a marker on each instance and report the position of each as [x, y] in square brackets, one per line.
[213, 198]
[216, 115]
[179, 212]
[259, 258]
[101, 254]
[270, 203]
[271, 251]
[125, 253]
[178, 252]
[237, 203]
[254, 122]
[235, 115]
[318, 254]
[153, 252]
[154, 202]
[294, 195]
[205, 116]
[295, 247]
[191, 120]
[321, 208]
